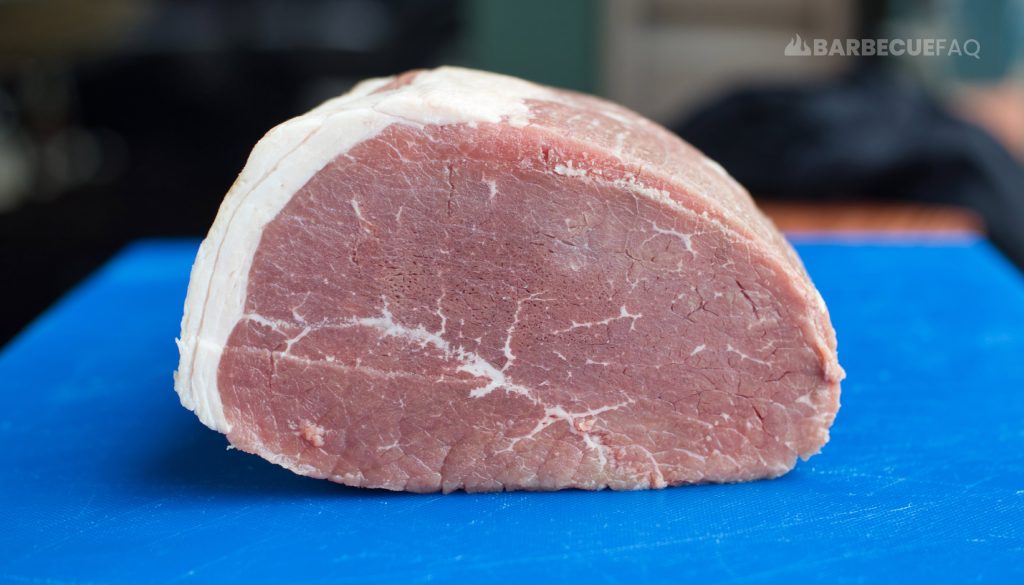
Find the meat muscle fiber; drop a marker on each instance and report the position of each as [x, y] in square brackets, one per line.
[452, 279]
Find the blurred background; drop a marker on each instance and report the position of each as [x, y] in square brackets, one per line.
[123, 119]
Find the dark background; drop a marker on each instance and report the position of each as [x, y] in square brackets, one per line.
[124, 119]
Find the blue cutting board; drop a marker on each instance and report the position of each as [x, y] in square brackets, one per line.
[104, 478]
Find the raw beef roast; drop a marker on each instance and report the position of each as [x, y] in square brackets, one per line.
[451, 279]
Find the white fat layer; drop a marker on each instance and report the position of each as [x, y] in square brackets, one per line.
[280, 164]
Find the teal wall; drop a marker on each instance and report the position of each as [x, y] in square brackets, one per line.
[550, 41]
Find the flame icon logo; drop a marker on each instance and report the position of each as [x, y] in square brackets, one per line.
[797, 47]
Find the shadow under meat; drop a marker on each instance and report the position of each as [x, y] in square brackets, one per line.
[195, 459]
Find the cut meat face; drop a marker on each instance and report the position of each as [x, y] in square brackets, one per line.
[452, 279]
